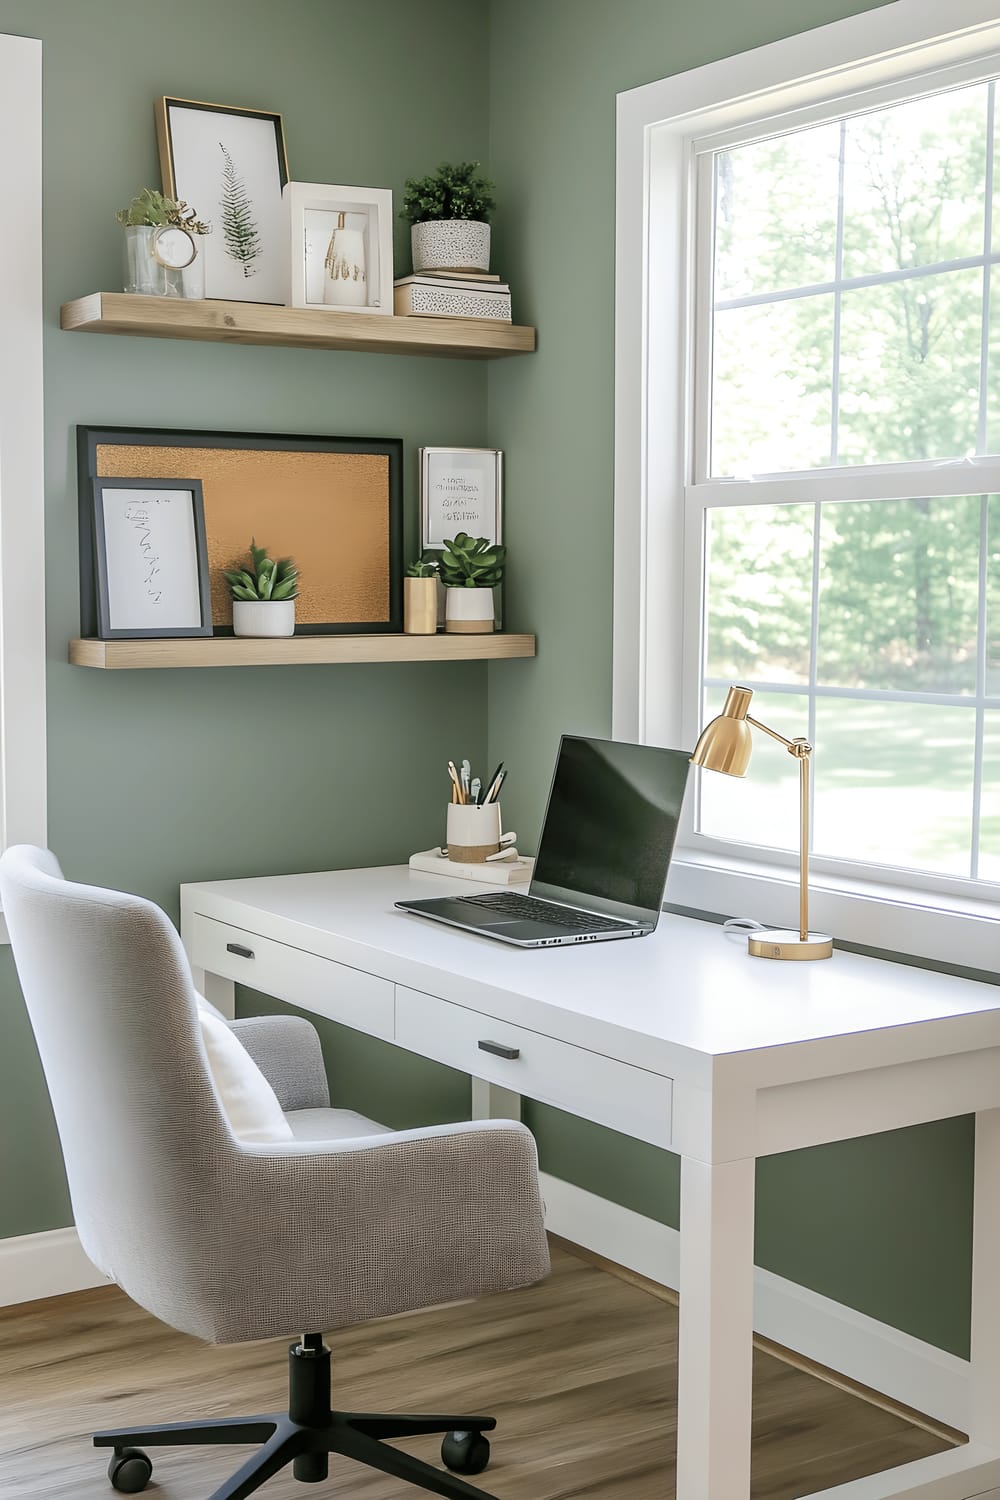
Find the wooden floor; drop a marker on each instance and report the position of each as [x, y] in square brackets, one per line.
[580, 1371]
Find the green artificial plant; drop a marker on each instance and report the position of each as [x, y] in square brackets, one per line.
[269, 580]
[426, 568]
[471, 562]
[151, 209]
[454, 191]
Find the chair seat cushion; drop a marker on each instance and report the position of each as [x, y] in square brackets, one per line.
[331, 1125]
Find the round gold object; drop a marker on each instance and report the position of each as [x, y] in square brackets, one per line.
[173, 247]
[786, 943]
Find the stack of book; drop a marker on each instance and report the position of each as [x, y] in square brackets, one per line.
[452, 294]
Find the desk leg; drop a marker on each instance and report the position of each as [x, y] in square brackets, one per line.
[219, 991]
[491, 1102]
[984, 1414]
[715, 1350]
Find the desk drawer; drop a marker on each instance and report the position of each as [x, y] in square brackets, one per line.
[317, 984]
[628, 1099]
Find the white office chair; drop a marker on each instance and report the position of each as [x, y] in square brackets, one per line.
[231, 1239]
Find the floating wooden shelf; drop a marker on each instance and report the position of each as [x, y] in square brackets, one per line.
[298, 327]
[243, 651]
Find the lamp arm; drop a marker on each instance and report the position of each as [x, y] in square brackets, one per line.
[772, 732]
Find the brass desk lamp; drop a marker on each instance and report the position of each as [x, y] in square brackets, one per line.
[725, 745]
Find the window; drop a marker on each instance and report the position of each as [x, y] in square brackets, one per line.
[22, 627]
[808, 408]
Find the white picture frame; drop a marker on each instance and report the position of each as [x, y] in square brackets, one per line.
[229, 165]
[321, 276]
[461, 489]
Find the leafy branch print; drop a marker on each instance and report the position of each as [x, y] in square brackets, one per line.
[239, 230]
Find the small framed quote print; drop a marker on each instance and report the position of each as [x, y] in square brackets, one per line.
[152, 564]
[461, 489]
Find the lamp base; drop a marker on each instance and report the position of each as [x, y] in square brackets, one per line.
[786, 943]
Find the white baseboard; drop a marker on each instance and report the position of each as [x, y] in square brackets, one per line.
[45, 1265]
[904, 1368]
[900, 1366]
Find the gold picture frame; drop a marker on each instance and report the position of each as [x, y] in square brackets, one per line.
[230, 165]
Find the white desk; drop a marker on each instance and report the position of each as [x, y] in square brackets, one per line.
[679, 1039]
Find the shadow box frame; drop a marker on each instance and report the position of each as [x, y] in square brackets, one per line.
[90, 438]
[374, 207]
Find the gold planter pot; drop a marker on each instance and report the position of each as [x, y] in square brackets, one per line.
[420, 606]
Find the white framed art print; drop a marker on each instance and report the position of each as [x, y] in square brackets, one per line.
[461, 489]
[339, 247]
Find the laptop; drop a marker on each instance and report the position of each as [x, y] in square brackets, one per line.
[602, 862]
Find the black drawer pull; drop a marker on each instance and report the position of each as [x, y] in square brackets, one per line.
[499, 1050]
[239, 950]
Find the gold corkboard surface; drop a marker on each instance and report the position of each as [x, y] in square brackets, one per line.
[328, 511]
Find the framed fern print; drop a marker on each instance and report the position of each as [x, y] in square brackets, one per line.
[230, 163]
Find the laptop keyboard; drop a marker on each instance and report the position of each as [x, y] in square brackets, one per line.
[513, 905]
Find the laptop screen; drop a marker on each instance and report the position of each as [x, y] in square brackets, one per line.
[610, 826]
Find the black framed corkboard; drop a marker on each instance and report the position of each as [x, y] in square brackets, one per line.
[333, 504]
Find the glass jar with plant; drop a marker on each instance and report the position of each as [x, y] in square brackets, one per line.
[449, 212]
[470, 567]
[162, 247]
[420, 598]
[264, 594]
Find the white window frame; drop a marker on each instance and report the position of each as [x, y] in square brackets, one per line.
[859, 60]
[22, 493]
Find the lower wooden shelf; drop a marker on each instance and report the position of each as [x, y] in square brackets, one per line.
[301, 650]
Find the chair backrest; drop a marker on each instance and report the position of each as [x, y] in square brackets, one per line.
[111, 1001]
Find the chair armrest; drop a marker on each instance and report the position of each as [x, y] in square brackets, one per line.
[367, 1228]
[286, 1049]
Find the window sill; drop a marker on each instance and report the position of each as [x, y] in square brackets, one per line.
[895, 919]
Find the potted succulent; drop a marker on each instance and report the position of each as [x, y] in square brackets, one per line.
[449, 212]
[162, 257]
[420, 600]
[264, 594]
[470, 568]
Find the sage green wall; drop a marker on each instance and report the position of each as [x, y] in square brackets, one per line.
[159, 777]
[881, 1224]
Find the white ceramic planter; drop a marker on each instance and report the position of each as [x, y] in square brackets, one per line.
[264, 617]
[468, 611]
[450, 245]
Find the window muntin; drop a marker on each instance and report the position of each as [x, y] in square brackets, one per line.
[851, 270]
[866, 626]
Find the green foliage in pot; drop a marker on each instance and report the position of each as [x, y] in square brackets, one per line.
[269, 580]
[151, 209]
[426, 568]
[454, 191]
[471, 562]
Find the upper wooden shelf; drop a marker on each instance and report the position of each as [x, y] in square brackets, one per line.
[299, 327]
[252, 651]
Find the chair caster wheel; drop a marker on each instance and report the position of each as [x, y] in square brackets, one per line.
[465, 1452]
[129, 1470]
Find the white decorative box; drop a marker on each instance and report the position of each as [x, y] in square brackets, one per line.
[441, 302]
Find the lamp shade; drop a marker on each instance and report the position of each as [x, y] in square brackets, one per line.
[725, 744]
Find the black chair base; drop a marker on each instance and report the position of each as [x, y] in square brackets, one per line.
[307, 1435]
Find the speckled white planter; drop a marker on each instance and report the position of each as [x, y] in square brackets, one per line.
[263, 617]
[451, 245]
